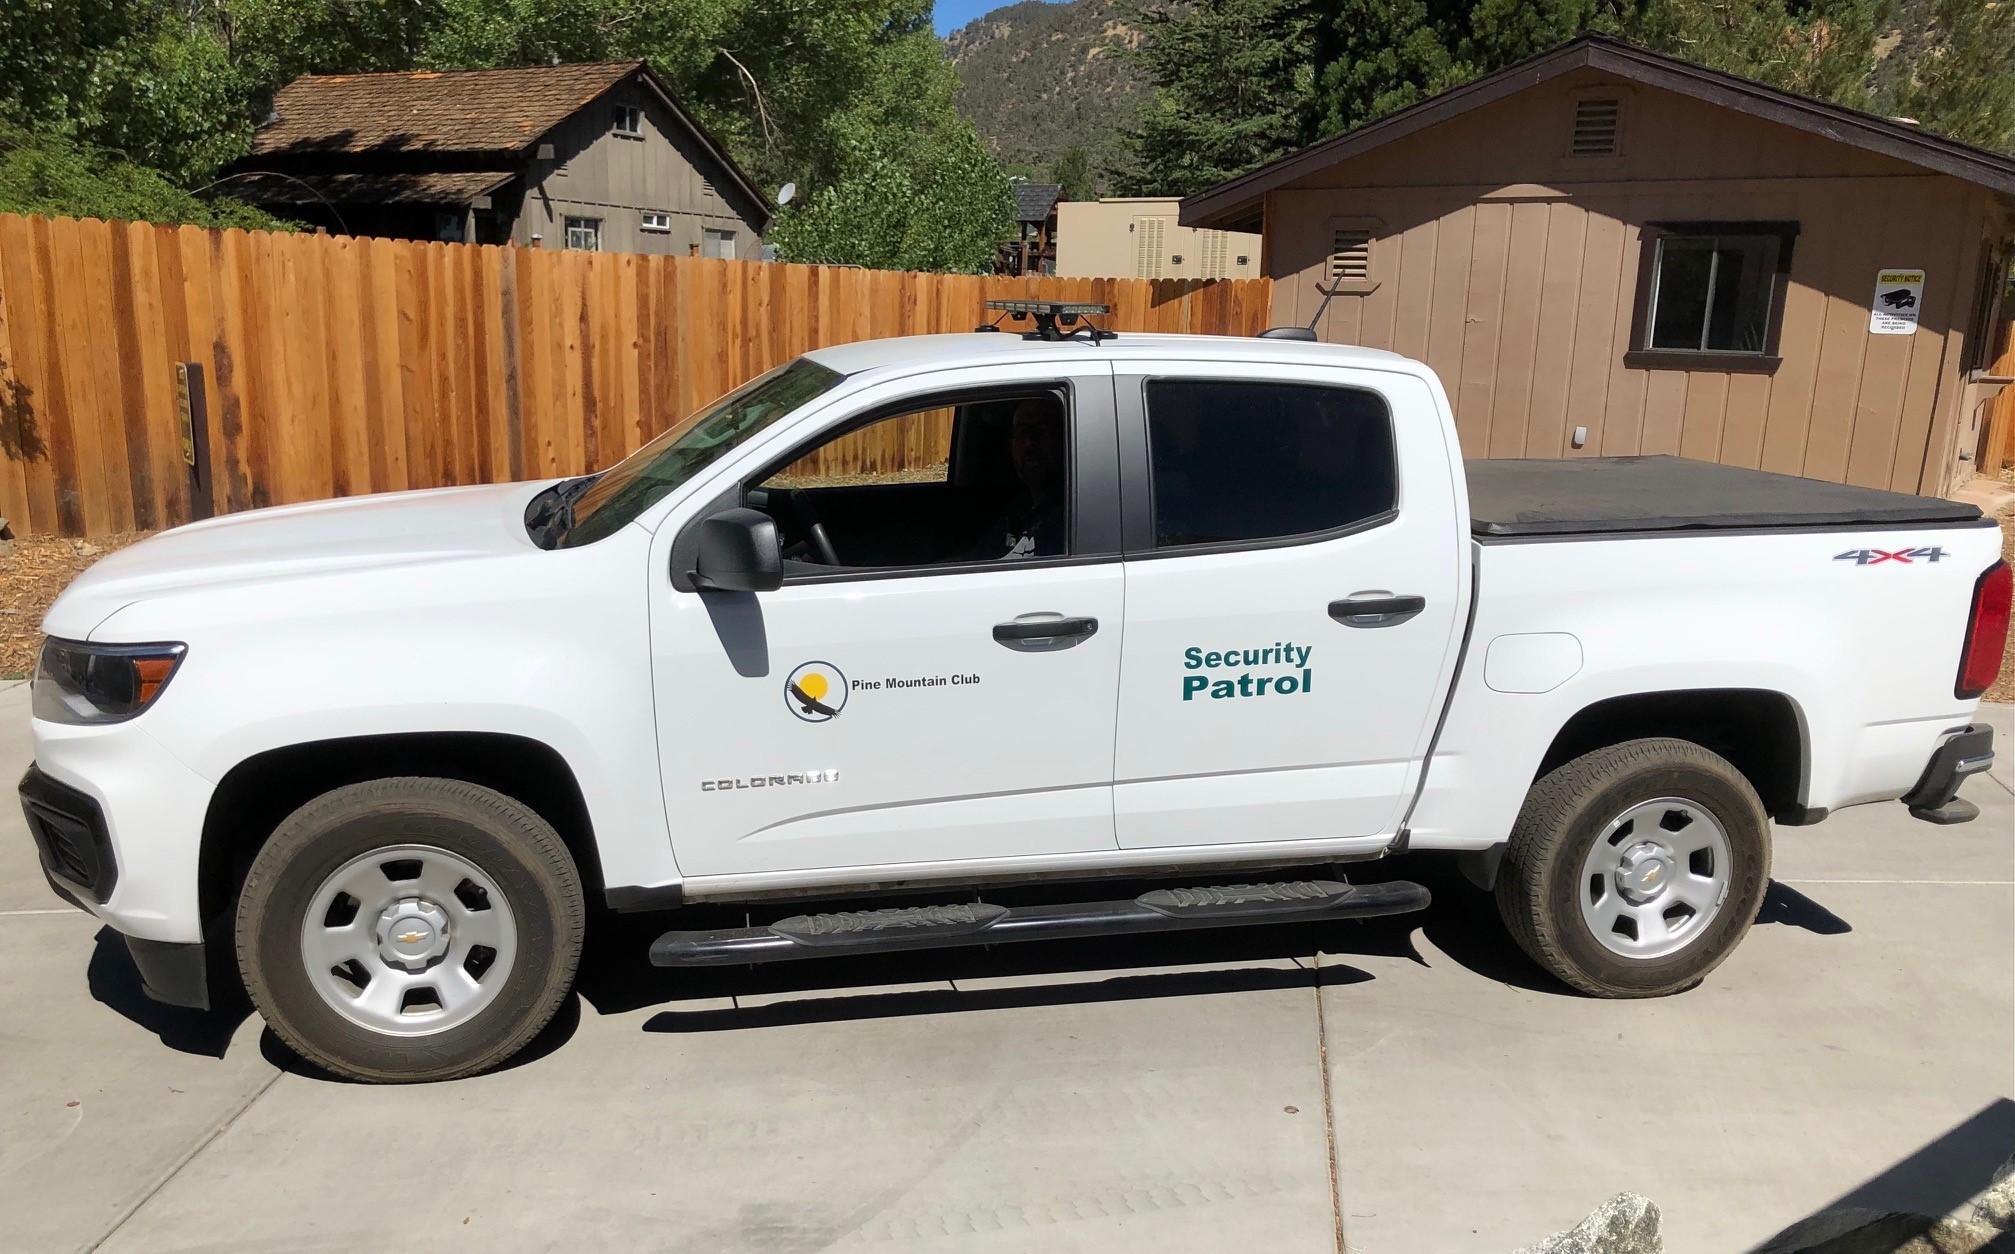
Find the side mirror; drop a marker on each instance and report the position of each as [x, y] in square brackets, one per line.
[739, 552]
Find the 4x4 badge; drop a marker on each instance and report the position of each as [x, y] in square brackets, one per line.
[1875, 557]
[816, 692]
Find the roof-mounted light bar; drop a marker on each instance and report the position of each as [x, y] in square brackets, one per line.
[1050, 316]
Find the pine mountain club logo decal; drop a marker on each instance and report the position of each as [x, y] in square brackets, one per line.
[816, 692]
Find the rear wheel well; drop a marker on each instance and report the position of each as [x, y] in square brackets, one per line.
[265, 788]
[1759, 732]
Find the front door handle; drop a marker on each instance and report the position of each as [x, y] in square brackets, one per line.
[1375, 609]
[1037, 632]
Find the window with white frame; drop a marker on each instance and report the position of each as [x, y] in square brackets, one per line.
[652, 220]
[584, 234]
[629, 120]
[719, 244]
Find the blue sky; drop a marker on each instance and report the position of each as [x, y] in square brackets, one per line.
[952, 14]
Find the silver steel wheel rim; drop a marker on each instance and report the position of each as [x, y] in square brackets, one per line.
[1655, 878]
[409, 940]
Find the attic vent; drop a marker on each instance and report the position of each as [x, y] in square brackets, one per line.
[1350, 255]
[1595, 123]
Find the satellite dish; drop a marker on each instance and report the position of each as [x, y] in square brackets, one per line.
[785, 193]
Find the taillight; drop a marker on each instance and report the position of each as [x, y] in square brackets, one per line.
[1986, 632]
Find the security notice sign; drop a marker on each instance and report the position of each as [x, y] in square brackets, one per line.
[1898, 295]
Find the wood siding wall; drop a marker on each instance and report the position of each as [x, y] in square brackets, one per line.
[1511, 268]
[616, 178]
[339, 365]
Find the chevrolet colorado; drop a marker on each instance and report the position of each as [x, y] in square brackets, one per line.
[1209, 610]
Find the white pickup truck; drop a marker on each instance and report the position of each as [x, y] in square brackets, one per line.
[1226, 613]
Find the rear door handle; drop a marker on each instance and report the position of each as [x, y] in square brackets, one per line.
[1375, 609]
[1037, 632]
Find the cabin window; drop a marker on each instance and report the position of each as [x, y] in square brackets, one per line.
[629, 121]
[655, 221]
[584, 234]
[1711, 294]
[719, 244]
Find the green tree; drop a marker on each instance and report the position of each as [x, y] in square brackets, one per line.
[907, 184]
[1819, 48]
[1072, 173]
[48, 173]
[1949, 69]
[1233, 89]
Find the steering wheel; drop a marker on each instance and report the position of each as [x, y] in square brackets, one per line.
[816, 532]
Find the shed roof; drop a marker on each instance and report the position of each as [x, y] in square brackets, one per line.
[432, 110]
[449, 188]
[1033, 201]
[1235, 203]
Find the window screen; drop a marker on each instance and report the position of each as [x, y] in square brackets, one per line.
[1261, 461]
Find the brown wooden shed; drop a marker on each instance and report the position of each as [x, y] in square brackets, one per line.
[1606, 251]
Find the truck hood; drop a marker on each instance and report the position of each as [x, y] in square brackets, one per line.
[292, 541]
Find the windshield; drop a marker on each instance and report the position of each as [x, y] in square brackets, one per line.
[642, 479]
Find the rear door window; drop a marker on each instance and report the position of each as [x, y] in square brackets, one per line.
[1243, 462]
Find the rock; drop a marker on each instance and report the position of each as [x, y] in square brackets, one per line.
[84, 548]
[1996, 1207]
[1625, 1224]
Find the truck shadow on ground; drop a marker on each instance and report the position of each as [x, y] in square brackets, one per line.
[616, 976]
[1461, 926]
[115, 984]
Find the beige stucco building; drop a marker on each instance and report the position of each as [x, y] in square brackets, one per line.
[1139, 237]
[1607, 251]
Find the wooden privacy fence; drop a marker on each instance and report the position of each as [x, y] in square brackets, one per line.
[1997, 444]
[337, 365]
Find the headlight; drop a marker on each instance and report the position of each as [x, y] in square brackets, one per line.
[100, 683]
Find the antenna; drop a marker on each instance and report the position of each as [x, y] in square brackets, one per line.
[1307, 333]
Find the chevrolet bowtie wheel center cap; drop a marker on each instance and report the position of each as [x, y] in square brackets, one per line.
[412, 933]
[1643, 872]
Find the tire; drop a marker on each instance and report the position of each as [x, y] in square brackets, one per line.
[433, 888]
[1648, 802]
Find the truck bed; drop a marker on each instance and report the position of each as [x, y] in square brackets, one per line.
[1511, 497]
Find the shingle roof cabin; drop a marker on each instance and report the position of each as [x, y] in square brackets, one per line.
[586, 155]
[1605, 250]
[1033, 201]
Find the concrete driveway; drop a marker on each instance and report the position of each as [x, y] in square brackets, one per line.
[1403, 1085]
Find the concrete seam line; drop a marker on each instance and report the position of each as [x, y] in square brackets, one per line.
[175, 1169]
[22, 914]
[1328, 1110]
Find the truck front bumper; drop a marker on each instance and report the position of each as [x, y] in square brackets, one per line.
[75, 848]
[1935, 799]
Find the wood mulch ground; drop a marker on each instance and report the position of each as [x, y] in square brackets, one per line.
[41, 567]
[30, 577]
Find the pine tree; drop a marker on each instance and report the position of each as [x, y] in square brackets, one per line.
[1233, 84]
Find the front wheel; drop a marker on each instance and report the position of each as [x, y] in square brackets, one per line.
[410, 929]
[1634, 870]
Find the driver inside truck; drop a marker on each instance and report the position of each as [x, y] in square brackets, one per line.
[1032, 524]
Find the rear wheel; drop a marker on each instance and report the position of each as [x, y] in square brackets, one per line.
[1634, 870]
[410, 929]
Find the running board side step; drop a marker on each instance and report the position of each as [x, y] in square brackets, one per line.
[979, 923]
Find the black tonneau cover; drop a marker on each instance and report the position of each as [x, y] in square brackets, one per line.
[1619, 495]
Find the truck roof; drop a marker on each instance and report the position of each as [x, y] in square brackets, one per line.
[915, 352]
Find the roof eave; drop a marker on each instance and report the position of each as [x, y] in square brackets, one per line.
[1229, 200]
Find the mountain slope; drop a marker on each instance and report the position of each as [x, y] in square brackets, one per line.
[1039, 79]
